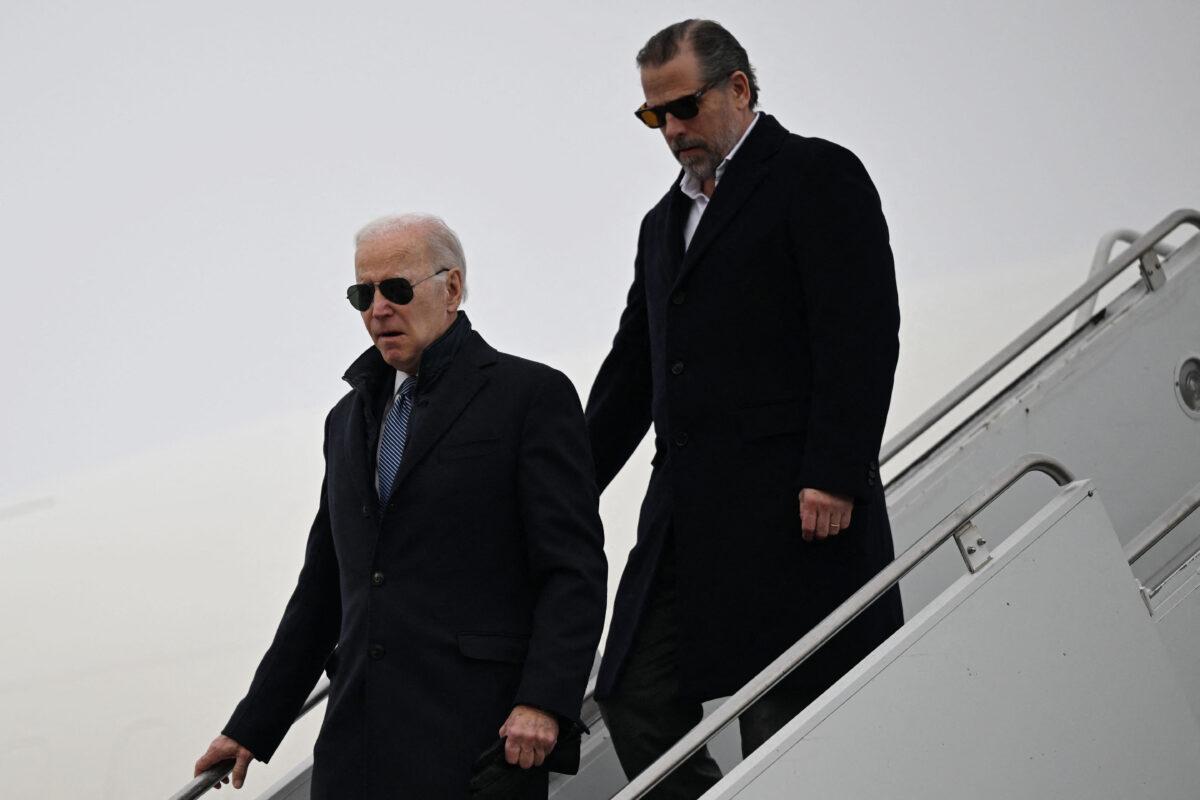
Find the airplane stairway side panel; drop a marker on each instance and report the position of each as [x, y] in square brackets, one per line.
[296, 785]
[1176, 610]
[1105, 404]
[1042, 675]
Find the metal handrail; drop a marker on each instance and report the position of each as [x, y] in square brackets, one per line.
[1104, 255]
[1166, 522]
[1144, 245]
[842, 616]
[214, 774]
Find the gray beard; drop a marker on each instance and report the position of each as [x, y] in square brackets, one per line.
[704, 167]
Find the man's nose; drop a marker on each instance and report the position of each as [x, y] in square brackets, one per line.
[673, 127]
[380, 306]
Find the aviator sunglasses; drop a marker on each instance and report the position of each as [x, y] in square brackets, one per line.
[684, 107]
[394, 290]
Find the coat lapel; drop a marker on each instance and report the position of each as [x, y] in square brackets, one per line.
[367, 376]
[445, 401]
[742, 176]
[358, 457]
[678, 205]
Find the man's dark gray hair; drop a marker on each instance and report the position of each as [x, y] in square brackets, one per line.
[717, 51]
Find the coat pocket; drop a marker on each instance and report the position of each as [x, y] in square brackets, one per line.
[776, 419]
[494, 647]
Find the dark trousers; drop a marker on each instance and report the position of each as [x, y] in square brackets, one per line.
[646, 714]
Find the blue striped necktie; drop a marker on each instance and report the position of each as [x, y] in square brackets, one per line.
[393, 438]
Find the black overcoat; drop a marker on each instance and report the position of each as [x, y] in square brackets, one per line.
[480, 585]
[764, 357]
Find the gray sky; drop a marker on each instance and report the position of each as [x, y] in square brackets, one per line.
[180, 185]
[181, 181]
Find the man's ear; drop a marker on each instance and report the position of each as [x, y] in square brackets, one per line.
[741, 88]
[454, 287]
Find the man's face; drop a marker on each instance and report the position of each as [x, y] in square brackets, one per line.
[402, 332]
[701, 143]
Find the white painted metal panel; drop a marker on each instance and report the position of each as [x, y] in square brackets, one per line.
[1105, 405]
[296, 785]
[1041, 676]
[1177, 614]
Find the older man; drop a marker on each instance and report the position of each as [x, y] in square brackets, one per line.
[453, 585]
[760, 338]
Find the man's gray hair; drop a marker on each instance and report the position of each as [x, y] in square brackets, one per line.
[443, 248]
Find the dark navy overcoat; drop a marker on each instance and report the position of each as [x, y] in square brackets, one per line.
[480, 585]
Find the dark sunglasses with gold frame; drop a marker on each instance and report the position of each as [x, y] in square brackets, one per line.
[684, 107]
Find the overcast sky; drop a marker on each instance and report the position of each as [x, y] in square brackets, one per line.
[181, 182]
[179, 189]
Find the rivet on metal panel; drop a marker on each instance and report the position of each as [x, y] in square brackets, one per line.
[975, 555]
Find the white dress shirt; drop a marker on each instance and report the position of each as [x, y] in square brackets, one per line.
[690, 186]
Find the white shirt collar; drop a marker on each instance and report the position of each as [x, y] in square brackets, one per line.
[401, 377]
[689, 184]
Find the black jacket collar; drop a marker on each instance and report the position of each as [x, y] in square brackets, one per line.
[741, 178]
[370, 374]
[453, 369]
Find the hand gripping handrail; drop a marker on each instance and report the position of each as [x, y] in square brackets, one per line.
[205, 780]
[1144, 246]
[871, 591]
[1166, 522]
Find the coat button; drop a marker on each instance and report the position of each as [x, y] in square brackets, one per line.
[681, 439]
[422, 403]
[377, 578]
[366, 510]
[679, 297]
[677, 368]
[376, 652]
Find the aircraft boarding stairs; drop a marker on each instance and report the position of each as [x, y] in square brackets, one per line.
[1064, 660]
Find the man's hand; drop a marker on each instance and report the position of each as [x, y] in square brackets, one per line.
[823, 514]
[531, 734]
[222, 748]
